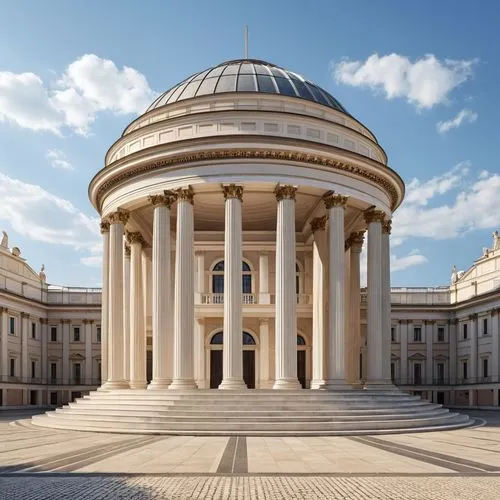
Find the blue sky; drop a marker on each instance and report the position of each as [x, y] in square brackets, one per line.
[402, 68]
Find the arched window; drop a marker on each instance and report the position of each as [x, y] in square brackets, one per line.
[218, 339]
[301, 340]
[218, 277]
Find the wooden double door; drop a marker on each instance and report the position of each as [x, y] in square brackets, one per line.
[216, 361]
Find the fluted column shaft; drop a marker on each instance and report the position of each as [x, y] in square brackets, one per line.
[375, 343]
[286, 298]
[137, 326]
[335, 205]
[354, 322]
[386, 301]
[65, 326]
[25, 374]
[473, 374]
[116, 378]
[184, 293]
[4, 359]
[45, 341]
[104, 300]
[163, 335]
[264, 296]
[126, 313]
[319, 320]
[232, 366]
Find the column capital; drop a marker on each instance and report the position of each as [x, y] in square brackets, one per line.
[135, 237]
[318, 223]
[166, 199]
[263, 321]
[3, 310]
[232, 191]
[104, 226]
[127, 250]
[285, 192]
[373, 215]
[85, 321]
[473, 317]
[387, 226]
[332, 199]
[185, 194]
[494, 312]
[118, 217]
[25, 315]
[356, 240]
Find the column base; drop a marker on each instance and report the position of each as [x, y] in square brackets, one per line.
[234, 384]
[287, 384]
[182, 385]
[335, 385]
[114, 384]
[137, 384]
[379, 385]
[159, 384]
[317, 384]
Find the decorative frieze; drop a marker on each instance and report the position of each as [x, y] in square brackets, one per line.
[319, 223]
[285, 192]
[373, 215]
[233, 191]
[332, 199]
[166, 199]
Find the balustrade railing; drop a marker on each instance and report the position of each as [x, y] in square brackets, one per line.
[9, 379]
[247, 299]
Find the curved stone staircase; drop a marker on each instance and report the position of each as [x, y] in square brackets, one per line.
[252, 413]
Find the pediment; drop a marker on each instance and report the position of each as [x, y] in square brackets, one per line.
[441, 357]
[394, 356]
[76, 357]
[417, 356]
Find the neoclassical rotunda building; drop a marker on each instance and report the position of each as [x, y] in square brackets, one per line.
[233, 215]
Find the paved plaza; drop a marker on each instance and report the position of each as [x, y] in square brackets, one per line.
[38, 463]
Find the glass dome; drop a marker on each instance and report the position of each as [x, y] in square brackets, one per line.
[247, 75]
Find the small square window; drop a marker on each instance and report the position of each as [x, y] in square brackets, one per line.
[440, 333]
[53, 333]
[76, 334]
[12, 325]
[417, 334]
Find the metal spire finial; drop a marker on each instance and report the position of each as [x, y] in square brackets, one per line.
[246, 41]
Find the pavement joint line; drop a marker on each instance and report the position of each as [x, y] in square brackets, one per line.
[439, 459]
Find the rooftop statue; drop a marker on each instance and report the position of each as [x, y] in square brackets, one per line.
[5, 240]
[42, 274]
[496, 241]
[454, 274]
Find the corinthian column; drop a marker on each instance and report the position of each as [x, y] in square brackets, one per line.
[126, 312]
[104, 300]
[356, 240]
[163, 335]
[232, 365]
[116, 379]
[184, 293]
[286, 297]
[137, 326]
[375, 324]
[335, 205]
[386, 302]
[318, 333]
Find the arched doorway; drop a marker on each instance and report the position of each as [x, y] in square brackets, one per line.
[216, 360]
[301, 360]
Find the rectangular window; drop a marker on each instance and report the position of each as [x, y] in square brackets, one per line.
[12, 367]
[485, 326]
[33, 369]
[464, 368]
[417, 334]
[53, 372]
[485, 368]
[99, 371]
[53, 398]
[12, 325]
[440, 373]
[53, 333]
[393, 334]
[76, 334]
[393, 371]
[440, 333]
[465, 331]
[77, 371]
[33, 330]
[98, 333]
[417, 373]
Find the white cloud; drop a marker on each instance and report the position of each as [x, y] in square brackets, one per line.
[474, 206]
[58, 159]
[466, 115]
[42, 216]
[88, 86]
[424, 83]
